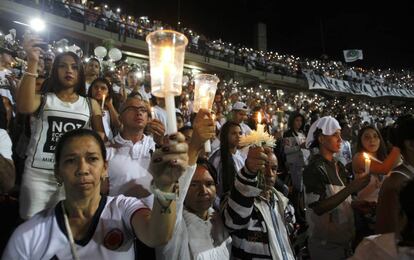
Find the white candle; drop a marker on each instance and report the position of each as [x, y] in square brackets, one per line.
[260, 127]
[103, 101]
[152, 113]
[171, 117]
[204, 103]
[367, 162]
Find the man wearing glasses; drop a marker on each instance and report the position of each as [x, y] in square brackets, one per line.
[130, 153]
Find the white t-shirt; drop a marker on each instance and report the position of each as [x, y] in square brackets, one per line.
[111, 235]
[56, 118]
[5, 145]
[128, 167]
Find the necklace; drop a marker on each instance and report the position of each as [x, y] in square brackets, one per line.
[70, 235]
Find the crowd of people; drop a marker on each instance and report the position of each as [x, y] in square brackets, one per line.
[87, 170]
[126, 25]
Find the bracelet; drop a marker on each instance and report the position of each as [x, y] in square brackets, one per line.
[164, 198]
[35, 75]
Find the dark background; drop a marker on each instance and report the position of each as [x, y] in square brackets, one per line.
[305, 29]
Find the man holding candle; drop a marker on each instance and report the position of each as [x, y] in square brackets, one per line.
[259, 218]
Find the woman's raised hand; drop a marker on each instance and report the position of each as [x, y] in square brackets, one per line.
[169, 162]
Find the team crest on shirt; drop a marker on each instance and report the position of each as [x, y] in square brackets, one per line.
[114, 239]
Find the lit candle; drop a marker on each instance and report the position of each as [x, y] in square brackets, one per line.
[204, 103]
[260, 126]
[367, 162]
[152, 113]
[103, 101]
[166, 51]
[204, 92]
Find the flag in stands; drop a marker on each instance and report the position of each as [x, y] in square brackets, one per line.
[353, 55]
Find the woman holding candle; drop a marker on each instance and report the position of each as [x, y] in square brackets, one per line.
[371, 158]
[101, 90]
[62, 109]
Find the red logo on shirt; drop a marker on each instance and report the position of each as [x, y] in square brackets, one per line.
[114, 239]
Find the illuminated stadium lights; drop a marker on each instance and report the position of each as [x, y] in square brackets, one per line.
[37, 24]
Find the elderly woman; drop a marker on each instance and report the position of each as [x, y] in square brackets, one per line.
[198, 232]
[87, 225]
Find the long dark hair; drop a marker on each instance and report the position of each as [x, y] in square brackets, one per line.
[54, 85]
[292, 118]
[228, 169]
[68, 136]
[111, 93]
[382, 150]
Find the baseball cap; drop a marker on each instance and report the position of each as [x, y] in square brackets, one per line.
[240, 106]
[327, 124]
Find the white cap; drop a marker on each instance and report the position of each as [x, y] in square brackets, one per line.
[240, 106]
[327, 124]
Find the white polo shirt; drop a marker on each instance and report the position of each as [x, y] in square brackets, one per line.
[110, 236]
[128, 167]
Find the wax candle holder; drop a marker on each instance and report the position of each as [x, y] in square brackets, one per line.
[204, 92]
[166, 51]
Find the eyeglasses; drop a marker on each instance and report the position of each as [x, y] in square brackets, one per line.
[135, 109]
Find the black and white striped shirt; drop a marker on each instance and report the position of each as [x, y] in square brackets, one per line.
[257, 226]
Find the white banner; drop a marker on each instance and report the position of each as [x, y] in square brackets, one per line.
[327, 83]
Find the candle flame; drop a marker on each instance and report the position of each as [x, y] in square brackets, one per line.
[259, 118]
[366, 156]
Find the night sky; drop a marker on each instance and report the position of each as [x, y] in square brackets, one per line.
[384, 31]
